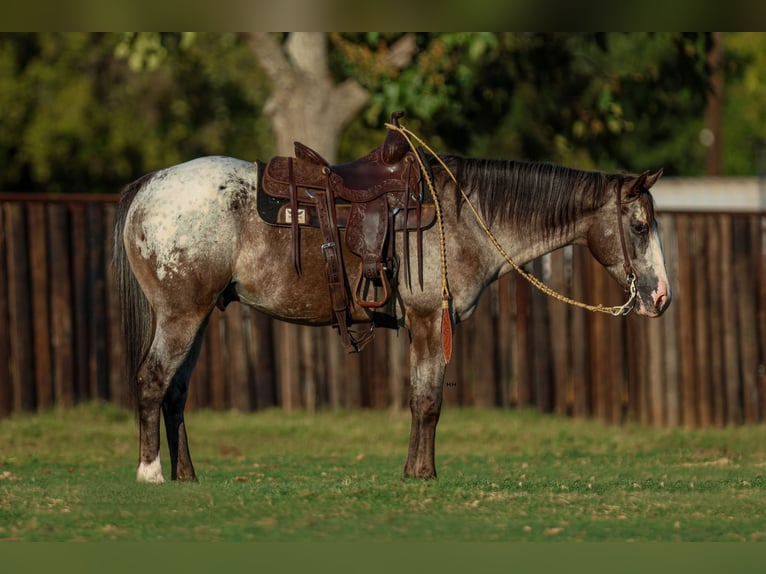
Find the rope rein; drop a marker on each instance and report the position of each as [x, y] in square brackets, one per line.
[616, 311]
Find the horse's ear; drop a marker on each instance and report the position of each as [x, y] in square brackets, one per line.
[652, 179]
[637, 185]
[643, 182]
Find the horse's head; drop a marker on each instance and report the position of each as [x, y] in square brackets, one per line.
[631, 245]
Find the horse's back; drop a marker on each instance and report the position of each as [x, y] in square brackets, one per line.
[188, 215]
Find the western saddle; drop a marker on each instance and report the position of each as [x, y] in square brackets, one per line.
[370, 198]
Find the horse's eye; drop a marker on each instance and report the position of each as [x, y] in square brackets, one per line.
[640, 228]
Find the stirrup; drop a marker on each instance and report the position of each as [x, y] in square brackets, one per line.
[372, 304]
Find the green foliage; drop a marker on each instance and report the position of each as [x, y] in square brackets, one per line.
[276, 476]
[611, 101]
[614, 101]
[90, 112]
[744, 103]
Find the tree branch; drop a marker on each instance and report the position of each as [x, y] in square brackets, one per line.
[308, 52]
[353, 97]
[269, 54]
[402, 52]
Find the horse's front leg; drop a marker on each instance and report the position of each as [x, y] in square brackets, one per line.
[427, 367]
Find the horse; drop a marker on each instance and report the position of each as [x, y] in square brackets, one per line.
[189, 237]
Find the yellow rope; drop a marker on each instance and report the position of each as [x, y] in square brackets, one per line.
[437, 205]
[617, 310]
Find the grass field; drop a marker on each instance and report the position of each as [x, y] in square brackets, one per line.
[272, 476]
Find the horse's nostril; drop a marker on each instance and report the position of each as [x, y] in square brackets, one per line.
[662, 302]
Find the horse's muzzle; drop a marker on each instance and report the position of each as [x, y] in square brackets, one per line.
[654, 303]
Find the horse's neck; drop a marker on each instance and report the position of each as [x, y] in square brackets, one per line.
[524, 244]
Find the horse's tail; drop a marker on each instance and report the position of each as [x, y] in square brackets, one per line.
[137, 315]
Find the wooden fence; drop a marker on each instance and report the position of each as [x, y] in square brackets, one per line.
[703, 363]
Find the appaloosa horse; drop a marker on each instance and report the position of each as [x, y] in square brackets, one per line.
[190, 236]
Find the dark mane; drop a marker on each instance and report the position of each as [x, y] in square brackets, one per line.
[541, 196]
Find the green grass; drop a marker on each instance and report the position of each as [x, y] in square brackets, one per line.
[273, 476]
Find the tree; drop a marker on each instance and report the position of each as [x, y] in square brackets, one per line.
[611, 101]
[607, 101]
[744, 103]
[89, 112]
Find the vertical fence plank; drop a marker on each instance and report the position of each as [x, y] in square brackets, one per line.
[236, 368]
[117, 377]
[671, 409]
[263, 346]
[457, 387]
[61, 305]
[540, 348]
[80, 308]
[616, 358]
[351, 380]
[579, 333]
[215, 356]
[98, 371]
[482, 351]
[655, 402]
[321, 366]
[199, 388]
[334, 375]
[759, 253]
[559, 333]
[38, 266]
[702, 335]
[746, 292]
[288, 372]
[504, 338]
[686, 324]
[6, 392]
[20, 316]
[637, 376]
[597, 347]
[380, 394]
[524, 395]
[713, 317]
[399, 369]
[729, 326]
[307, 373]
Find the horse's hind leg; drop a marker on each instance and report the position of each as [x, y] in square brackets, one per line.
[181, 467]
[173, 342]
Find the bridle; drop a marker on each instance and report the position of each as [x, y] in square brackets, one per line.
[627, 266]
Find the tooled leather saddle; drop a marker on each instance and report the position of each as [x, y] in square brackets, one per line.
[364, 203]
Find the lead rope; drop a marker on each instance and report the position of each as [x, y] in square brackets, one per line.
[616, 311]
[446, 326]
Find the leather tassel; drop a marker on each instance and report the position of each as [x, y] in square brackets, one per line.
[446, 330]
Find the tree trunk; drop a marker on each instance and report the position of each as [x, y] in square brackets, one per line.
[305, 104]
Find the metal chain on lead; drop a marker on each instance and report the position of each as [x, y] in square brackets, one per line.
[616, 311]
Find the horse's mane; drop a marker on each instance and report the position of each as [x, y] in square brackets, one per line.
[540, 196]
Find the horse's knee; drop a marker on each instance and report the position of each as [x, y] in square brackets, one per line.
[427, 406]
